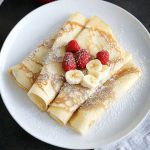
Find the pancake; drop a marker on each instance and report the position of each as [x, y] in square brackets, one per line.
[96, 36]
[26, 72]
[51, 78]
[93, 109]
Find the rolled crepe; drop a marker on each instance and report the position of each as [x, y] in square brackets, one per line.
[50, 80]
[96, 105]
[26, 72]
[96, 36]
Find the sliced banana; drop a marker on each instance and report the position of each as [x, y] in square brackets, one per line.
[103, 74]
[94, 66]
[89, 81]
[74, 76]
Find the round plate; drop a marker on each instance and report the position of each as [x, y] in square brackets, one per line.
[121, 118]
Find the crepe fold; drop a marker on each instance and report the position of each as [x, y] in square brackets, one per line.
[51, 78]
[96, 36]
[26, 72]
[95, 106]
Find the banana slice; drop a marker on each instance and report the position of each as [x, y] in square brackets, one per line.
[89, 81]
[94, 66]
[74, 76]
[103, 74]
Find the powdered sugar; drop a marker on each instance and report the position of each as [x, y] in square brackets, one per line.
[46, 76]
[52, 57]
[130, 102]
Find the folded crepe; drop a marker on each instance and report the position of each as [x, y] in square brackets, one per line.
[51, 78]
[96, 105]
[26, 72]
[96, 36]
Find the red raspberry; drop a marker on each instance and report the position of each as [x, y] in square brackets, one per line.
[103, 56]
[69, 62]
[72, 46]
[82, 58]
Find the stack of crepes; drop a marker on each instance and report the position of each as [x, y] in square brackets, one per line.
[76, 105]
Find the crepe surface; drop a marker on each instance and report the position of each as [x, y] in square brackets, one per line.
[93, 109]
[51, 78]
[97, 35]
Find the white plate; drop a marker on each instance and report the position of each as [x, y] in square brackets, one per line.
[121, 118]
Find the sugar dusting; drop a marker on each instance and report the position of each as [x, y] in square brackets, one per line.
[114, 113]
[99, 96]
[51, 57]
[75, 95]
[128, 102]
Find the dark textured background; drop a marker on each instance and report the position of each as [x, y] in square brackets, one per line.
[12, 136]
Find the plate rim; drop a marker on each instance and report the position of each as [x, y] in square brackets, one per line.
[135, 126]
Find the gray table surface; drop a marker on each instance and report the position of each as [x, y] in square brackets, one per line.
[12, 136]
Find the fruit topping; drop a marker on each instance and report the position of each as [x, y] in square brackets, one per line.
[74, 76]
[72, 46]
[103, 56]
[69, 62]
[82, 58]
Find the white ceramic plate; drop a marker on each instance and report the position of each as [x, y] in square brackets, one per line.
[121, 118]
